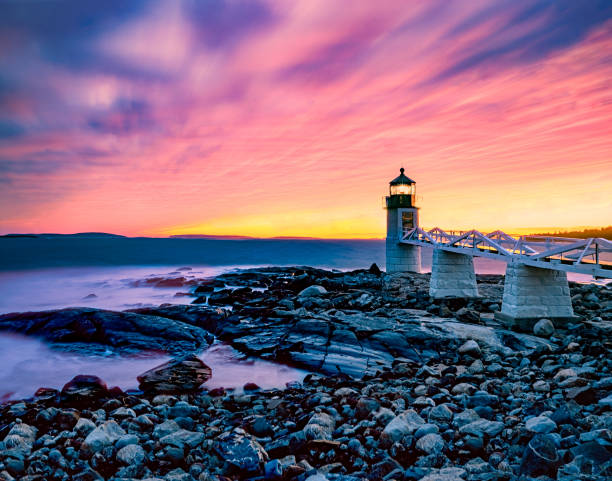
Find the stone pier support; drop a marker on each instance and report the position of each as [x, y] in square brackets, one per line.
[402, 257]
[533, 293]
[452, 276]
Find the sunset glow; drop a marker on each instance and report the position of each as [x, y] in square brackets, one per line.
[289, 118]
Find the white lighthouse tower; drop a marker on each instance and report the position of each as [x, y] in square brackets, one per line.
[402, 216]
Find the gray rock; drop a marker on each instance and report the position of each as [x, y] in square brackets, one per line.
[365, 406]
[425, 429]
[320, 426]
[313, 291]
[183, 438]
[446, 474]
[406, 423]
[241, 451]
[183, 409]
[84, 426]
[544, 328]
[477, 367]
[120, 330]
[167, 427]
[481, 427]
[431, 443]
[465, 417]
[468, 315]
[470, 348]
[104, 435]
[481, 398]
[24, 431]
[126, 440]
[540, 425]
[123, 412]
[273, 469]
[607, 401]
[18, 443]
[132, 454]
[541, 386]
[383, 416]
[440, 414]
[540, 457]
[260, 427]
[186, 373]
[464, 388]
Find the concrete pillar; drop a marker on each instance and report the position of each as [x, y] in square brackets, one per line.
[452, 275]
[533, 293]
[400, 257]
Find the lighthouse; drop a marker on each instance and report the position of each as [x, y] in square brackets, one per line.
[402, 216]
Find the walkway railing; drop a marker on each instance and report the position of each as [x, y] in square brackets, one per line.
[589, 256]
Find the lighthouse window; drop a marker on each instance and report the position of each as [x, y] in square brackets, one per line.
[402, 189]
[407, 220]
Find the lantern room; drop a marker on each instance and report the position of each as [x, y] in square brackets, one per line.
[402, 191]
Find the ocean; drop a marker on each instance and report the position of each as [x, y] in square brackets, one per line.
[120, 273]
[107, 272]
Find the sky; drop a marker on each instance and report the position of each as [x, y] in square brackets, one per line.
[289, 118]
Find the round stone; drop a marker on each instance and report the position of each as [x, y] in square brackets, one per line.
[544, 328]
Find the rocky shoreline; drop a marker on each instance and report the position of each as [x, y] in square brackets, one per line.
[402, 387]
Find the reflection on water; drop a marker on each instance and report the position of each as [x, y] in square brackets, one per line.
[27, 364]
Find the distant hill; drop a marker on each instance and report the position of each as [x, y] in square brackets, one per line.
[605, 232]
[207, 236]
[88, 235]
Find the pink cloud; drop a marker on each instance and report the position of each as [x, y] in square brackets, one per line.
[296, 127]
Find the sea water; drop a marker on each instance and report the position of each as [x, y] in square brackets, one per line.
[27, 364]
[112, 273]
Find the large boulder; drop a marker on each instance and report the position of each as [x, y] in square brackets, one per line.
[177, 375]
[84, 389]
[124, 331]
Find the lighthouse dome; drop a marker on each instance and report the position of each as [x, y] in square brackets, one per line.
[402, 185]
[402, 179]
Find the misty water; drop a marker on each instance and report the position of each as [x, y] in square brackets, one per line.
[27, 364]
[40, 274]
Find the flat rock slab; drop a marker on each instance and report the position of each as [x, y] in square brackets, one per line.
[125, 331]
[358, 343]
